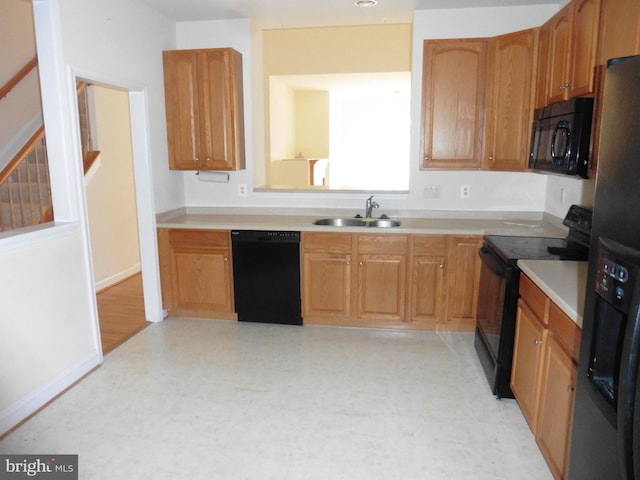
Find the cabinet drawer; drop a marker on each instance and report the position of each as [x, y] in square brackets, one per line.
[535, 298]
[428, 244]
[565, 331]
[327, 242]
[383, 244]
[199, 238]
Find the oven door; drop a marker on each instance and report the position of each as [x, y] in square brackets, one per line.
[495, 327]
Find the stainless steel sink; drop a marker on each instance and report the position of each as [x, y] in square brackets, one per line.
[357, 222]
[384, 223]
[341, 222]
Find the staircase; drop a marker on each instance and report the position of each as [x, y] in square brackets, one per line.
[25, 189]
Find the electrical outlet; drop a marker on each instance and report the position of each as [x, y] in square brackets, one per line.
[242, 190]
[432, 191]
[465, 191]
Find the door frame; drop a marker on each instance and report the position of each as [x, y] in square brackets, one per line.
[143, 179]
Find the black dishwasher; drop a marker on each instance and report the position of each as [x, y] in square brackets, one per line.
[266, 276]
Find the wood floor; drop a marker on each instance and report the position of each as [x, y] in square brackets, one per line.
[121, 312]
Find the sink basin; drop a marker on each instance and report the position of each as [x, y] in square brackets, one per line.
[341, 222]
[384, 223]
[357, 222]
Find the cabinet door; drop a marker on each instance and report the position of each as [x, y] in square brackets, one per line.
[326, 284]
[222, 144]
[556, 407]
[463, 277]
[204, 108]
[426, 295]
[542, 79]
[202, 280]
[619, 29]
[381, 286]
[511, 98]
[584, 44]
[181, 103]
[527, 355]
[453, 103]
[559, 49]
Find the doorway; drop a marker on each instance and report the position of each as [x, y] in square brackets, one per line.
[110, 193]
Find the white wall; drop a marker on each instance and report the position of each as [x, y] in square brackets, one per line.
[492, 191]
[121, 42]
[48, 324]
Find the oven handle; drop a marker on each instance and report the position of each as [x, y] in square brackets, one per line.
[491, 259]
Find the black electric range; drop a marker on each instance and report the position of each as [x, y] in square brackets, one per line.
[511, 249]
[499, 289]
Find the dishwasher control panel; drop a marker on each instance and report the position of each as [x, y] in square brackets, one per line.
[265, 235]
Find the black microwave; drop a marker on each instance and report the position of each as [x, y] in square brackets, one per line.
[561, 137]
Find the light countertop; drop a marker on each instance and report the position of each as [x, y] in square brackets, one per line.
[455, 223]
[564, 282]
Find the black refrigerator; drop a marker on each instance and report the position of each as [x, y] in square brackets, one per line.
[605, 441]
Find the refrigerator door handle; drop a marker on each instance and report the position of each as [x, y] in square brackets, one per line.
[628, 389]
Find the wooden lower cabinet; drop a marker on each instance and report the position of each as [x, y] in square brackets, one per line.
[558, 382]
[544, 373]
[426, 302]
[424, 282]
[381, 277]
[196, 272]
[525, 373]
[386, 280]
[326, 275]
[463, 280]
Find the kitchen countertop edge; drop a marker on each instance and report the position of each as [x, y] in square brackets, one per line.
[564, 282]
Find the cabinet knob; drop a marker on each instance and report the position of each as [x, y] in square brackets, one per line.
[441, 266]
[571, 389]
[197, 159]
[491, 158]
[226, 259]
[426, 158]
[537, 341]
[361, 264]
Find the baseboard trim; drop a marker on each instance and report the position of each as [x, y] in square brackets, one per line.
[118, 277]
[13, 415]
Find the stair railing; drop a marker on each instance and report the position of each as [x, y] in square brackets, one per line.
[25, 186]
[17, 78]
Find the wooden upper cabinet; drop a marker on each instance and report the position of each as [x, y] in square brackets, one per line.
[204, 107]
[510, 99]
[542, 79]
[584, 45]
[453, 103]
[619, 29]
[571, 55]
[559, 51]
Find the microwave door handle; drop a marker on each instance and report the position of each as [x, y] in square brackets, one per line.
[563, 128]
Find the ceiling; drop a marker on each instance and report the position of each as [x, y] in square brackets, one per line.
[300, 13]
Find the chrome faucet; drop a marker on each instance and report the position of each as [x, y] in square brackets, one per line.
[370, 206]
